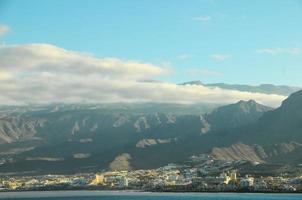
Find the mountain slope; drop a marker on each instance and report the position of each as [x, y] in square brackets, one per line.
[91, 139]
[278, 132]
[283, 124]
[235, 115]
[72, 138]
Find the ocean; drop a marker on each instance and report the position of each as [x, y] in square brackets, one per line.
[105, 195]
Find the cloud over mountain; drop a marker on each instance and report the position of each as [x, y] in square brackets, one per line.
[43, 73]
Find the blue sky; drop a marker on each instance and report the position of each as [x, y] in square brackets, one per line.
[246, 42]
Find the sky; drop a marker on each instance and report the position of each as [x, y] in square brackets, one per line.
[239, 41]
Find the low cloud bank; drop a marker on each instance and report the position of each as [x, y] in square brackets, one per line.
[43, 73]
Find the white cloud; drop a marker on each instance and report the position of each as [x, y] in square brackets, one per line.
[4, 29]
[195, 72]
[38, 58]
[41, 73]
[220, 57]
[4, 75]
[184, 56]
[202, 18]
[275, 51]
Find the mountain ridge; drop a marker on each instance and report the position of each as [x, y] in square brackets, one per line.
[262, 88]
[71, 140]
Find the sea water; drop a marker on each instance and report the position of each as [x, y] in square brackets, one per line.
[105, 195]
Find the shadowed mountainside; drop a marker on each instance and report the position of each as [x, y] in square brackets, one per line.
[93, 138]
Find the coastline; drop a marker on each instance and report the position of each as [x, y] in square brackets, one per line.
[140, 194]
[129, 191]
[136, 192]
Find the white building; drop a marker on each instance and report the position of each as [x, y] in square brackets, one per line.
[247, 182]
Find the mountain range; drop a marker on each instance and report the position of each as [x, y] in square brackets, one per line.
[65, 138]
[263, 88]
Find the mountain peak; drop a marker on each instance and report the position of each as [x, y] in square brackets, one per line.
[237, 114]
[284, 123]
[294, 98]
[249, 102]
[293, 104]
[263, 88]
[251, 105]
[192, 83]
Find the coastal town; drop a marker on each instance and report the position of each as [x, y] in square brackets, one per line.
[208, 175]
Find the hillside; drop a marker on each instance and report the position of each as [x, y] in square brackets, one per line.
[90, 138]
[59, 136]
[278, 132]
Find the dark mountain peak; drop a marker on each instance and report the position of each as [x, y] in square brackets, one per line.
[192, 83]
[248, 103]
[279, 125]
[247, 106]
[293, 101]
[263, 88]
[250, 106]
[237, 114]
[289, 113]
[251, 101]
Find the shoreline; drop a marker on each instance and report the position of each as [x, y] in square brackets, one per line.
[115, 191]
[138, 194]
